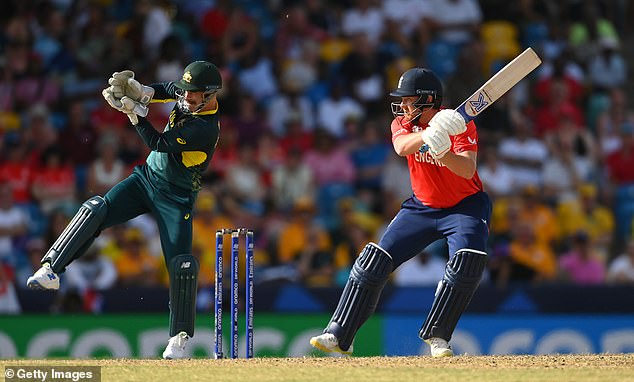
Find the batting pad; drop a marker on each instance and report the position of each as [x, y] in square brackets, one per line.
[183, 271]
[361, 293]
[462, 276]
[78, 234]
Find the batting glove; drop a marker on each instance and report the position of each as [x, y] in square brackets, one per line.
[437, 140]
[450, 121]
[124, 84]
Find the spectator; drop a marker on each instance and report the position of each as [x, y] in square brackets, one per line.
[581, 265]
[9, 303]
[619, 163]
[292, 181]
[291, 104]
[333, 111]
[455, 21]
[90, 275]
[315, 265]
[107, 169]
[572, 162]
[135, 266]
[497, 177]
[256, 76]
[328, 162]
[585, 213]
[295, 235]
[529, 259]
[607, 69]
[13, 227]
[621, 270]
[425, 271]
[370, 157]
[610, 122]
[78, 138]
[524, 154]
[245, 182]
[17, 172]
[54, 182]
[363, 19]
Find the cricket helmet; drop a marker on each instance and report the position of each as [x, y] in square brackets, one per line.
[419, 82]
[200, 76]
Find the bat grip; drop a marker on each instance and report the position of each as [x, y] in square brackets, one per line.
[423, 148]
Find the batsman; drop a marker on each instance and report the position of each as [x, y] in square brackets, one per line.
[166, 186]
[447, 202]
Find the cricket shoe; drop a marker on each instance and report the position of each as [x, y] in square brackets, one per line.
[439, 347]
[44, 279]
[176, 346]
[327, 342]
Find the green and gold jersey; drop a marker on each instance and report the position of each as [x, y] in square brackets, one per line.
[182, 152]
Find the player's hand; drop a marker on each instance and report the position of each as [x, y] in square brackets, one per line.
[449, 120]
[116, 103]
[126, 105]
[437, 140]
[124, 84]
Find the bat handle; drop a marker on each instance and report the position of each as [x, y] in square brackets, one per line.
[423, 148]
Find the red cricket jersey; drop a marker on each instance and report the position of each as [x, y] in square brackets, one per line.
[432, 182]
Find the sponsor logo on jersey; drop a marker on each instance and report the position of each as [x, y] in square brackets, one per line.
[472, 140]
[181, 141]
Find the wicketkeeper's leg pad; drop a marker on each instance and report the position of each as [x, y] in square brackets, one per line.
[78, 234]
[183, 271]
[361, 293]
[462, 277]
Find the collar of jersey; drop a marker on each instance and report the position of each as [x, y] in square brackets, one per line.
[207, 112]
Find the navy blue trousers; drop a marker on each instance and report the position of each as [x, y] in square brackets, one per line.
[465, 226]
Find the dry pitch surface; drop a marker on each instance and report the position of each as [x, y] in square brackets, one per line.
[560, 368]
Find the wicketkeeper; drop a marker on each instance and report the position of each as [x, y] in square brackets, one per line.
[165, 186]
[448, 202]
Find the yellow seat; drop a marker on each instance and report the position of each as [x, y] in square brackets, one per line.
[501, 44]
[498, 30]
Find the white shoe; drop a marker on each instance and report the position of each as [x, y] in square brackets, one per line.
[176, 346]
[44, 279]
[439, 347]
[329, 343]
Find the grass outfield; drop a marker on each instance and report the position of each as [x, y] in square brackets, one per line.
[560, 368]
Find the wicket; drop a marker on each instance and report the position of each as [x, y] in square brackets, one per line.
[235, 287]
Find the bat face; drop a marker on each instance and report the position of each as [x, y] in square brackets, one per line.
[499, 84]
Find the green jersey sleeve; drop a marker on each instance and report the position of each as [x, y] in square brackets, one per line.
[196, 134]
[163, 92]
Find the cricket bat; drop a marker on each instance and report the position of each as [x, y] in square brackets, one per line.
[498, 85]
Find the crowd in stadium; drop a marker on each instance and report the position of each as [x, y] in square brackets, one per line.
[305, 158]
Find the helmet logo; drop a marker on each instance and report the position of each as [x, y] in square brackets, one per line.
[400, 82]
[187, 76]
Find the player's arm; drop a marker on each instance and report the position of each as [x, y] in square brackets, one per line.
[462, 164]
[163, 92]
[195, 135]
[407, 144]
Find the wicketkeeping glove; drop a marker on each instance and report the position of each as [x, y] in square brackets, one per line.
[449, 120]
[124, 84]
[126, 105]
[437, 140]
